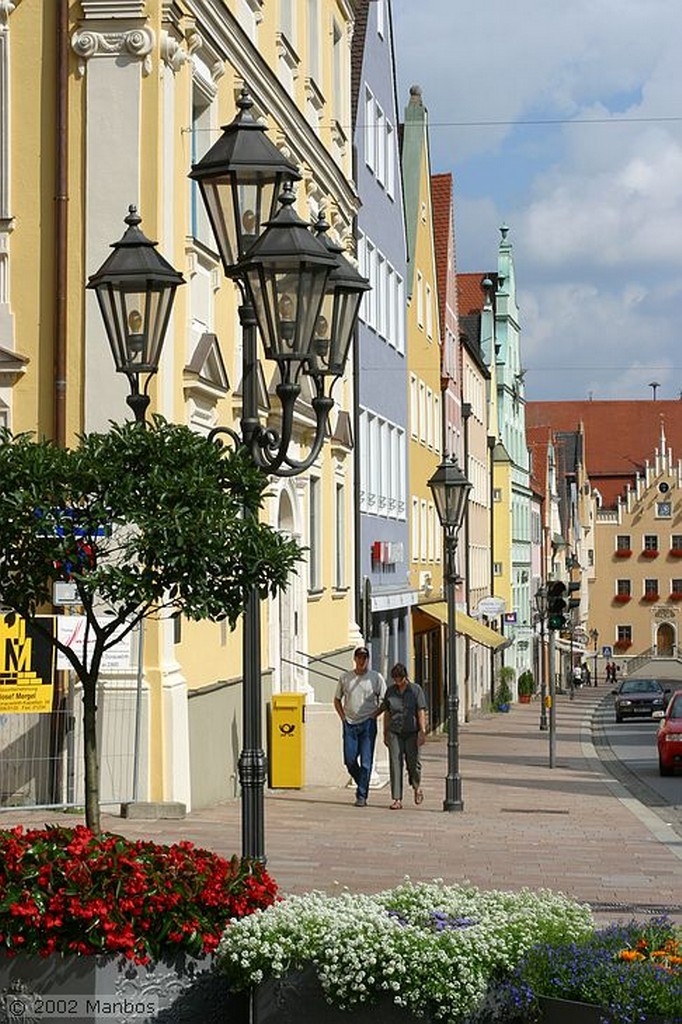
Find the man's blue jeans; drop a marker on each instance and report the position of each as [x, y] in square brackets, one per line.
[358, 752]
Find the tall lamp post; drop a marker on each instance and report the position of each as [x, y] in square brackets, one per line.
[594, 636]
[450, 489]
[541, 608]
[304, 297]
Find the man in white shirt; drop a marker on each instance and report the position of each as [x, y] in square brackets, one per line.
[358, 702]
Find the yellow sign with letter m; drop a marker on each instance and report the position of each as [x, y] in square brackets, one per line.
[26, 684]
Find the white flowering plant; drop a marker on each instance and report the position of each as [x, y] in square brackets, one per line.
[432, 948]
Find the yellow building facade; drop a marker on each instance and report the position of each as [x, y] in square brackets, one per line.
[106, 104]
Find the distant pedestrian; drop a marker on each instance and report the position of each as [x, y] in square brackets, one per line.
[610, 672]
[404, 733]
[358, 702]
[585, 674]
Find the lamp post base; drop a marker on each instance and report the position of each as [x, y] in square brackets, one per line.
[453, 805]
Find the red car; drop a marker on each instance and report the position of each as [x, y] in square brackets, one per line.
[669, 735]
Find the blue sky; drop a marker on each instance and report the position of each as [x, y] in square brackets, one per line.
[592, 196]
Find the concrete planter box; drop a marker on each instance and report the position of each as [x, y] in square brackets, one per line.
[568, 1011]
[299, 998]
[99, 990]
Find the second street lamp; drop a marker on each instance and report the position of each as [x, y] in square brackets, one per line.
[135, 289]
[450, 489]
[291, 285]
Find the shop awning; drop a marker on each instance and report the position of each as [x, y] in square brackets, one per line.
[466, 625]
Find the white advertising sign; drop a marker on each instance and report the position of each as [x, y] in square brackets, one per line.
[71, 632]
[491, 606]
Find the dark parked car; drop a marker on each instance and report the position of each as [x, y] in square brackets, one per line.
[669, 735]
[639, 698]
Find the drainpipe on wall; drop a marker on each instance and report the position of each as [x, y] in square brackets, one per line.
[466, 413]
[491, 445]
[60, 220]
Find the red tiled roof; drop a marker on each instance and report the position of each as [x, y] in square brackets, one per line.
[538, 440]
[441, 201]
[470, 293]
[620, 436]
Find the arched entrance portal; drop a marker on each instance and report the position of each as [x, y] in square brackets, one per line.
[665, 640]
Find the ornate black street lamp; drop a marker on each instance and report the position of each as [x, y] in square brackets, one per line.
[541, 607]
[135, 289]
[450, 489]
[298, 293]
[594, 637]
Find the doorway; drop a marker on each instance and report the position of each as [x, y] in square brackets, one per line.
[665, 640]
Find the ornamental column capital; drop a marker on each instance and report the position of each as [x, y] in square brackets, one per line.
[100, 39]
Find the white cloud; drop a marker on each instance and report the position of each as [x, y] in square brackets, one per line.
[595, 210]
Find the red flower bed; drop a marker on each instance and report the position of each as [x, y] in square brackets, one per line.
[649, 553]
[623, 552]
[622, 645]
[67, 890]
[622, 598]
[676, 595]
[650, 597]
[675, 552]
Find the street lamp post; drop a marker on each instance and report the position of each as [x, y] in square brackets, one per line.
[541, 607]
[450, 489]
[594, 636]
[304, 297]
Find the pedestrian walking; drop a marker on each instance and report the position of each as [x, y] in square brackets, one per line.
[359, 702]
[585, 674]
[404, 733]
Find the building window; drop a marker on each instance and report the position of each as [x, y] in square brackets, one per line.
[390, 159]
[423, 532]
[369, 129]
[381, 18]
[340, 560]
[624, 636]
[664, 509]
[497, 494]
[676, 542]
[676, 587]
[497, 568]
[314, 529]
[623, 588]
[623, 542]
[429, 312]
[420, 300]
[414, 407]
[314, 40]
[651, 590]
[650, 545]
[201, 141]
[415, 529]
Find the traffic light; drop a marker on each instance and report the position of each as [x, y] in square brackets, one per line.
[573, 602]
[556, 604]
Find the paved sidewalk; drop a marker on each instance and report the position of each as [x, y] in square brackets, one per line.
[572, 828]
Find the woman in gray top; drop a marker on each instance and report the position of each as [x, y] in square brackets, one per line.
[404, 732]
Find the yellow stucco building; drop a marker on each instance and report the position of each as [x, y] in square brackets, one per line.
[106, 103]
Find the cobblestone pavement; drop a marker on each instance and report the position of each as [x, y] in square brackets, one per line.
[574, 828]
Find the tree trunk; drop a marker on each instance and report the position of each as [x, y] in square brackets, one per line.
[91, 760]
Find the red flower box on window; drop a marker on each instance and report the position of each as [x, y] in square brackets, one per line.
[622, 645]
[675, 552]
[650, 597]
[622, 598]
[649, 553]
[623, 552]
[676, 595]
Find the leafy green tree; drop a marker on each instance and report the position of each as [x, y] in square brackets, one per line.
[142, 521]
